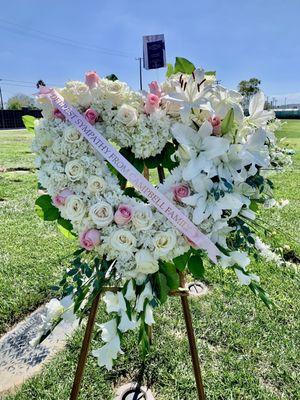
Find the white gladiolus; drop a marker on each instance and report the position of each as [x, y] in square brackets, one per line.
[149, 315]
[145, 262]
[108, 353]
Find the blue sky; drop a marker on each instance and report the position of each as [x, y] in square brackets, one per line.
[240, 39]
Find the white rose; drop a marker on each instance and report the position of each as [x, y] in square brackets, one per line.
[102, 214]
[164, 242]
[113, 90]
[142, 218]
[75, 208]
[145, 262]
[123, 240]
[96, 184]
[127, 115]
[74, 170]
[72, 135]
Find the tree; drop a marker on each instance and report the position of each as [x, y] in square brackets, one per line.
[248, 89]
[19, 101]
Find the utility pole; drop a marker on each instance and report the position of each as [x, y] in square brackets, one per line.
[141, 75]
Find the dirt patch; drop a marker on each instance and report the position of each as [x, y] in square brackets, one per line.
[16, 169]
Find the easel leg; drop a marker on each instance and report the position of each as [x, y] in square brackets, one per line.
[192, 341]
[84, 349]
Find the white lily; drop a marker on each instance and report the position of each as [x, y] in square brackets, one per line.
[255, 151]
[191, 94]
[202, 143]
[222, 100]
[258, 116]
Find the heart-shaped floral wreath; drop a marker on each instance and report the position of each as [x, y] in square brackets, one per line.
[189, 129]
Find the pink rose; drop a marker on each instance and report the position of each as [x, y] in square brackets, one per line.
[61, 197]
[92, 79]
[155, 88]
[152, 103]
[180, 191]
[89, 239]
[91, 116]
[123, 214]
[58, 114]
[216, 124]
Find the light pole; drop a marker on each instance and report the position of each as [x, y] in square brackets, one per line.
[141, 75]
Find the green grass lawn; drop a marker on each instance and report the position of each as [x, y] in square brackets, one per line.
[247, 351]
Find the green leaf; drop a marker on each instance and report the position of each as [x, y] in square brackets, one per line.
[66, 228]
[167, 152]
[183, 65]
[169, 270]
[227, 122]
[153, 162]
[180, 262]
[138, 163]
[213, 73]
[45, 209]
[112, 77]
[195, 265]
[253, 206]
[28, 121]
[170, 70]
[162, 287]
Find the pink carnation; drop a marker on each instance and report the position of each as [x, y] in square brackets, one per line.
[92, 79]
[89, 239]
[155, 88]
[61, 197]
[123, 214]
[91, 116]
[58, 114]
[180, 191]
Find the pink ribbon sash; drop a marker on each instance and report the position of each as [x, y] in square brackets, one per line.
[157, 199]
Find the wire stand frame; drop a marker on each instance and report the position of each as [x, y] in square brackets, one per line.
[183, 293]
